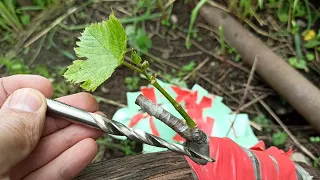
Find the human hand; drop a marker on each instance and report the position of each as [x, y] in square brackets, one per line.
[33, 146]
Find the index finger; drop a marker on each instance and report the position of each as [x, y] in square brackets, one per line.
[11, 83]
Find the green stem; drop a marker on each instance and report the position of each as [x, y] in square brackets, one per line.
[154, 82]
[112, 145]
[160, 3]
[175, 104]
[144, 17]
[132, 67]
[297, 43]
[222, 42]
[309, 18]
[194, 15]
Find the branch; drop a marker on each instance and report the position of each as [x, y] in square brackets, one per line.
[178, 125]
[152, 80]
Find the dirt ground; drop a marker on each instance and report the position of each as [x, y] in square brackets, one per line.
[168, 45]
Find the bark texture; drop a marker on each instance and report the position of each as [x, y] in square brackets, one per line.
[299, 92]
[164, 165]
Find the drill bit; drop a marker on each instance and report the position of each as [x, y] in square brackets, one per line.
[74, 114]
[117, 128]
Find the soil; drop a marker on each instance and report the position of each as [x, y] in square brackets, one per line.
[167, 45]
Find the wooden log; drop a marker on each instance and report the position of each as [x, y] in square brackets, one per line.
[288, 82]
[164, 165]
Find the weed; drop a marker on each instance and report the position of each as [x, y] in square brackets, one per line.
[224, 46]
[298, 63]
[279, 138]
[260, 3]
[222, 41]
[161, 6]
[242, 9]
[15, 66]
[316, 163]
[176, 77]
[132, 83]
[51, 43]
[193, 18]
[190, 66]
[315, 139]
[8, 17]
[126, 146]
[138, 38]
[311, 42]
[310, 56]
[233, 51]
[246, 8]
[264, 121]
[186, 69]
[44, 3]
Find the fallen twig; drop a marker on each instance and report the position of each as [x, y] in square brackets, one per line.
[169, 3]
[217, 5]
[35, 55]
[52, 25]
[218, 87]
[162, 61]
[245, 94]
[188, 54]
[284, 127]
[196, 69]
[109, 101]
[214, 55]
[245, 106]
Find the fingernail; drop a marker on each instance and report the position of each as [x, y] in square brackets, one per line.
[25, 100]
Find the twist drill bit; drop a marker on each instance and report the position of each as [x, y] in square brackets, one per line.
[116, 128]
[74, 114]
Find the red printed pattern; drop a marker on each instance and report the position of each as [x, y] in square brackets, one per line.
[232, 162]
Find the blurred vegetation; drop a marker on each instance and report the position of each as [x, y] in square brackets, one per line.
[295, 21]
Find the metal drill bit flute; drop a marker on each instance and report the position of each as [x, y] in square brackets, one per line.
[71, 113]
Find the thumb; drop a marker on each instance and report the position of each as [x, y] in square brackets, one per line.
[21, 122]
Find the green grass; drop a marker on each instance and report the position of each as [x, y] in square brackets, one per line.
[9, 19]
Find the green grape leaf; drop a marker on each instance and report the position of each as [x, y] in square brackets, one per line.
[135, 57]
[104, 46]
